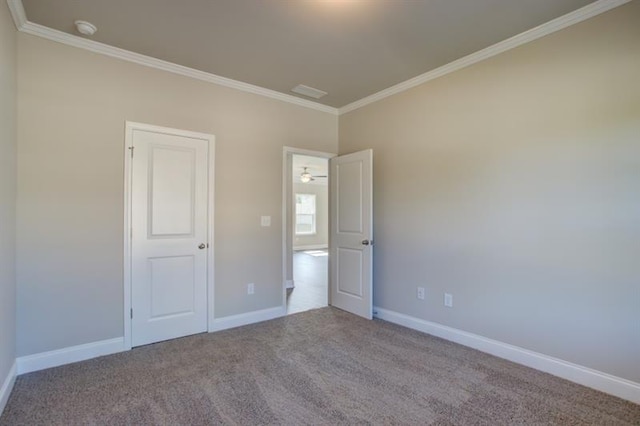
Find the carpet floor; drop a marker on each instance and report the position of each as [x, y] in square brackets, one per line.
[322, 366]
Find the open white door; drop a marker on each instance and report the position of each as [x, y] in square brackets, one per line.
[169, 235]
[351, 235]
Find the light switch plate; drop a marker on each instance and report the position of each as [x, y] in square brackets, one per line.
[265, 220]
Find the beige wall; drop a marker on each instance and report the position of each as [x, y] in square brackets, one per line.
[514, 184]
[511, 184]
[321, 237]
[7, 191]
[71, 114]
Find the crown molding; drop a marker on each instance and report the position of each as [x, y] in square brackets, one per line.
[17, 13]
[535, 33]
[27, 27]
[572, 18]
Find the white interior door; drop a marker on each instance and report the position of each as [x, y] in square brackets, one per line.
[169, 235]
[351, 238]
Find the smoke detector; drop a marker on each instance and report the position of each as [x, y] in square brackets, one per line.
[301, 89]
[86, 28]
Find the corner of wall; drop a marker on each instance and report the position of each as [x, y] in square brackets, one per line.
[8, 159]
[7, 387]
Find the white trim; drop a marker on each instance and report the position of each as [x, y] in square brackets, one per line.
[126, 271]
[43, 360]
[239, 320]
[309, 152]
[585, 376]
[7, 386]
[17, 13]
[287, 185]
[311, 247]
[25, 26]
[211, 212]
[579, 15]
[547, 28]
[130, 126]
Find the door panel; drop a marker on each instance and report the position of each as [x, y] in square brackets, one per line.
[351, 237]
[349, 179]
[349, 271]
[172, 286]
[171, 191]
[169, 224]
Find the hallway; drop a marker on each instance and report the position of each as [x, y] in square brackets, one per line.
[310, 269]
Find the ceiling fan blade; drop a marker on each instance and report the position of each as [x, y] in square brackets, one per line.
[320, 176]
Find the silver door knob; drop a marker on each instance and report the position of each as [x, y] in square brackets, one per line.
[366, 242]
[202, 246]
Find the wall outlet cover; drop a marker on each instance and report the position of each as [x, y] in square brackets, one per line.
[448, 300]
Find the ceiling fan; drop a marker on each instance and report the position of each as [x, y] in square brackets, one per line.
[306, 177]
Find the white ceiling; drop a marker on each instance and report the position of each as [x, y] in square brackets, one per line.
[317, 166]
[348, 48]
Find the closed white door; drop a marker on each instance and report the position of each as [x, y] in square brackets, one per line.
[351, 238]
[169, 235]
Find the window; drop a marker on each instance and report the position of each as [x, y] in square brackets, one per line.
[305, 214]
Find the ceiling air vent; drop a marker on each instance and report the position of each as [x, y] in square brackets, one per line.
[301, 89]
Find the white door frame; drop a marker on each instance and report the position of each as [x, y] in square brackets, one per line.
[287, 186]
[130, 126]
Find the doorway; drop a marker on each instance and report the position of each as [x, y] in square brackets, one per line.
[350, 256]
[305, 230]
[310, 184]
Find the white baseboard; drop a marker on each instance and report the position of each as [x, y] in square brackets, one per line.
[7, 387]
[30, 363]
[585, 376]
[41, 361]
[311, 247]
[239, 320]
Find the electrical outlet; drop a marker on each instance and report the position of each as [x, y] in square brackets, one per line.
[420, 293]
[250, 288]
[448, 300]
[265, 220]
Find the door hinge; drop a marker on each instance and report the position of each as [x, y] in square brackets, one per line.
[131, 313]
[131, 149]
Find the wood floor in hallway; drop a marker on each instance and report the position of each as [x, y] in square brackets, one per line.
[310, 275]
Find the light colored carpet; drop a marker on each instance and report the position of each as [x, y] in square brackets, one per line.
[318, 367]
